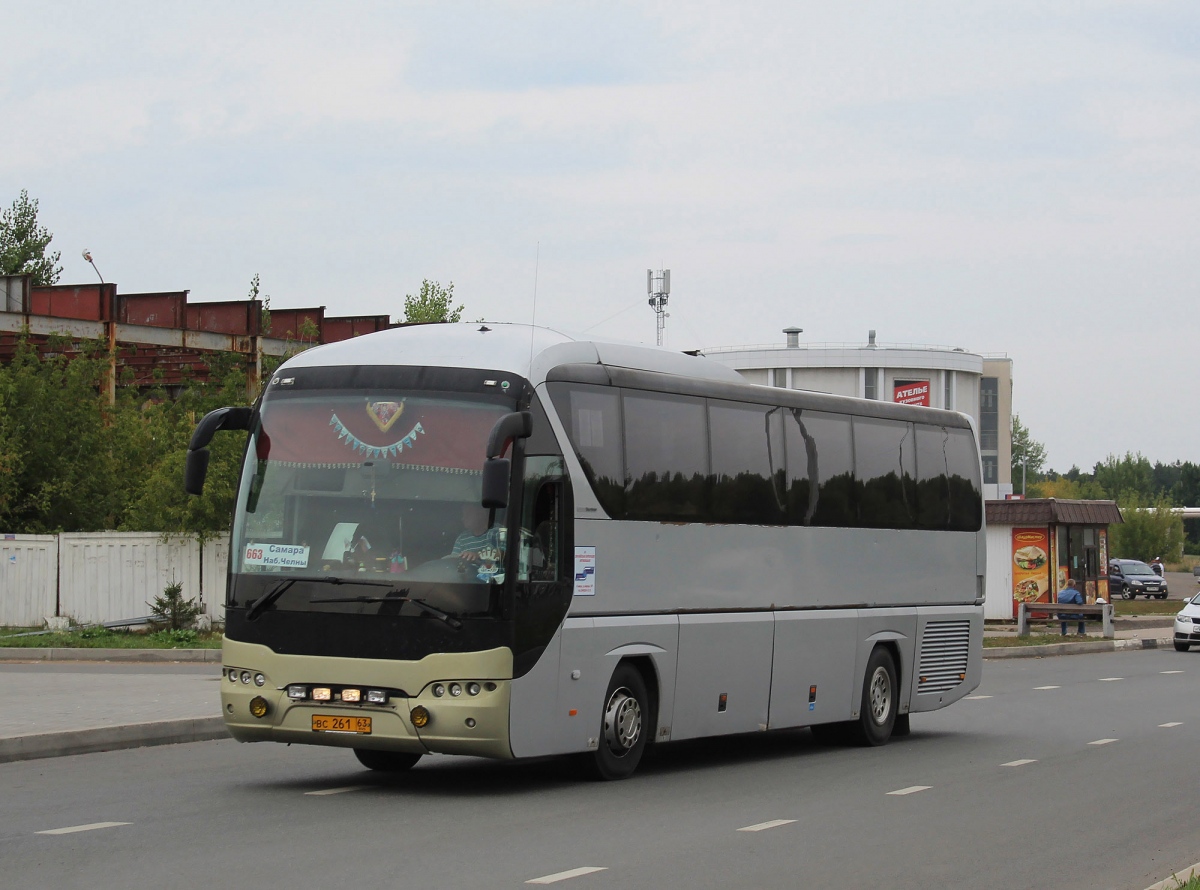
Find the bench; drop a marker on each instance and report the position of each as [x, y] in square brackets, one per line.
[1104, 611]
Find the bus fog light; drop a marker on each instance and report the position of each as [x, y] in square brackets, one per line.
[258, 706]
[472, 689]
[297, 692]
[321, 693]
[455, 690]
[439, 690]
[351, 695]
[260, 680]
[246, 677]
[419, 716]
[376, 696]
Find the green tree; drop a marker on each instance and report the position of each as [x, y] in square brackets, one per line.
[1026, 451]
[57, 458]
[1126, 477]
[433, 304]
[1149, 530]
[23, 243]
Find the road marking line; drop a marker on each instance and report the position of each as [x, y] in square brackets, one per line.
[911, 789]
[1046, 687]
[91, 826]
[1168, 725]
[977, 697]
[1110, 679]
[563, 875]
[323, 792]
[1170, 672]
[1018, 762]
[1102, 741]
[763, 826]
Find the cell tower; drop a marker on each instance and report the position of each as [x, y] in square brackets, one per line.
[658, 286]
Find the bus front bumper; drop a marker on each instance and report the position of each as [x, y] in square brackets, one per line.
[466, 723]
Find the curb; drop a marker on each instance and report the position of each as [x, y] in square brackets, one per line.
[1075, 648]
[1178, 879]
[149, 656]
[111, 738]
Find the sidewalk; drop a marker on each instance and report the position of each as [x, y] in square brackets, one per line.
[75, 707]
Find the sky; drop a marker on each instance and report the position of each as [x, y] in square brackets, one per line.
[1007, 177]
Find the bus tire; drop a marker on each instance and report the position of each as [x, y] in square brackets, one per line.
[386, 761]
[877, 713]
[623, 728]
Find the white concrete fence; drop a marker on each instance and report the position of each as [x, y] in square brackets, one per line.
[105, 576]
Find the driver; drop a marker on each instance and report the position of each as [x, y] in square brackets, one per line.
[478, 543]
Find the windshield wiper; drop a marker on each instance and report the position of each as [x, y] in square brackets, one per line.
[256, 607]
[391, 598]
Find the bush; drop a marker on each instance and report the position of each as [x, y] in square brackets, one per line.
[1148, 531]
[171, 611]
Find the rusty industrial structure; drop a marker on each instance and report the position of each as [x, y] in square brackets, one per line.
[160, 339]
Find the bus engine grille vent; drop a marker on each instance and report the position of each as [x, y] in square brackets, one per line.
[944, 649]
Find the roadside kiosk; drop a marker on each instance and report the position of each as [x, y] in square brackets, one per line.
[1034, 545]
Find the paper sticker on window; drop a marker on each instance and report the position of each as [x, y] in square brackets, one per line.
[585, 571]
[282, 556]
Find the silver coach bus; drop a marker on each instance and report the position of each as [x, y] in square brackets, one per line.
[499, 540]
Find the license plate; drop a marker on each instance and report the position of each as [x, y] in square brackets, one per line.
[340, 723]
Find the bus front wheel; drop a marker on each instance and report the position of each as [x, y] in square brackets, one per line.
[386, 761]
[623, 729]
[877, 714]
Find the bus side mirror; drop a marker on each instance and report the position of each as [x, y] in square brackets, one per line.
[496, 473]
[209, 425]
[195, 471]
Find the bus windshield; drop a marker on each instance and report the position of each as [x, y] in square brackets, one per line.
[367, 503]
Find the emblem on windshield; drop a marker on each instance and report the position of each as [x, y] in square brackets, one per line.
[385, 413]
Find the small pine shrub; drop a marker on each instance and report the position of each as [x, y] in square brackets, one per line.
[171, 611]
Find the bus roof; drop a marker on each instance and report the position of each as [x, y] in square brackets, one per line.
[527, 350]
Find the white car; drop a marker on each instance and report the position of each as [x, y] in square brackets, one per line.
[1187, 625]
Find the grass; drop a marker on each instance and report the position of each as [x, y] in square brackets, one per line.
[1145, 607]
[1035, 639]
[104, 638]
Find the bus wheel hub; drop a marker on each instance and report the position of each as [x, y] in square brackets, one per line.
[622, 722]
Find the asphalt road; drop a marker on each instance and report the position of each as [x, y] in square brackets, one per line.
[1015, 790]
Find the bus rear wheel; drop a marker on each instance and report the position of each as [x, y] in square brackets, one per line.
[623, 730]
[386, 761]
[877, 712]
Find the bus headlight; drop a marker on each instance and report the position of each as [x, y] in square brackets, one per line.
[472, 689]
[297, 692]
[455, 690]
[260, 680]
[377, 696]
[439, 690]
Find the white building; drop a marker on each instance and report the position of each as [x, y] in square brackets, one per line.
[937, 376]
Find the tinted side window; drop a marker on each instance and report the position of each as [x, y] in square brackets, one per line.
[820, 468]
[933, 478]
[885, 470]
[592, 417]
[966, 494]
[666, 457]
[746, 442]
